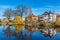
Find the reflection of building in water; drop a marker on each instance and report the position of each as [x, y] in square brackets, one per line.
[19, 28]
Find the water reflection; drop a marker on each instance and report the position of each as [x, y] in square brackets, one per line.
[17, 32]
[20, 32]
[8, 32]
[19, 28]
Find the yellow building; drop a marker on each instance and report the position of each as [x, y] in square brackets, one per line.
[58, 20]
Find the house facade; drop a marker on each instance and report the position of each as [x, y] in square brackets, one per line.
[48, 16]
[58, 20]
[31, 16]
[5, 21]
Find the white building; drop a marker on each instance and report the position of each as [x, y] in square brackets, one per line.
[48, 16]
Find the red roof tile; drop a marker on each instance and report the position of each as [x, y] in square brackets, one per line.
[58, 15]
[32, 15]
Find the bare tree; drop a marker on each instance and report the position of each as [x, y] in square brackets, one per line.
[22, 10]
[8, 13]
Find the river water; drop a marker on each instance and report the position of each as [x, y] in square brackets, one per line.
[8, 33]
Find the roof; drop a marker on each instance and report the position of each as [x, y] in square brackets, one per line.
[31, 15]
[58, 15]
[47, 13]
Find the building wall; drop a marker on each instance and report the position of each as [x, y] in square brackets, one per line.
[50, 17]
[54, 18]
[58, 21]
[35, 18]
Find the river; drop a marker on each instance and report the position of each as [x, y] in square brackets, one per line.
[8, 33]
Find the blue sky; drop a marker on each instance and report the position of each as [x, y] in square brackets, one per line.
[38, 6]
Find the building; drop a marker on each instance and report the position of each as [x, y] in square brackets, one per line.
[58, 20]
[31, 16]
[4, 21]
[48, 16]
